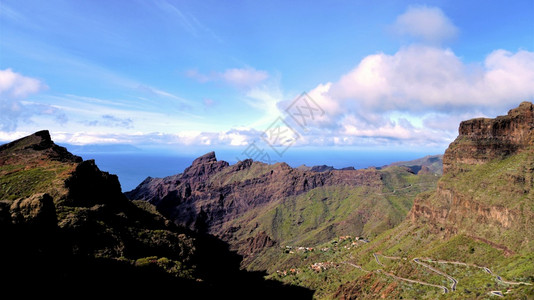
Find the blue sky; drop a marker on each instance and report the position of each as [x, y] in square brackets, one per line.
[219, 74]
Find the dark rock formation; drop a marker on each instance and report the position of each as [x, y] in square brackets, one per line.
[88, 186]
[39, 141]
[211, 193]
[259, 242]
[481, 140]
[66, 227]
[322, 168]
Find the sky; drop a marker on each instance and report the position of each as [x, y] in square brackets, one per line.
[261, 77]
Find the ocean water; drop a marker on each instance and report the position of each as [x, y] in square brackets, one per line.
[133, 168]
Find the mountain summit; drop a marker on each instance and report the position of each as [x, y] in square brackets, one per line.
[481, 140]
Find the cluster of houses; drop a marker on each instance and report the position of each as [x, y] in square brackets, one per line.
[354, 242]
[321, 266]
[291, 249]
[292, 271]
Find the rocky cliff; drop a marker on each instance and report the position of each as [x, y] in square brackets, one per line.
[487, 190]
[481, 140]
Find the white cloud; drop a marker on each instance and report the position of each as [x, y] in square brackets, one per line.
[241, 78]
[233, 137]
[421, 78]
[427, 23]
[244, 78]
[14, 87]
[385, 95]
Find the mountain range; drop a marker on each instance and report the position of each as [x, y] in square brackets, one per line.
[453, 226]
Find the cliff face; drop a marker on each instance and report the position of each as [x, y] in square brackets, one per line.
[487, 191]
[481, 140]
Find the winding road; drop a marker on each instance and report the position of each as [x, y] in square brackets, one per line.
[377, 260]
[454, 281]
[419, 262]
[486, 269]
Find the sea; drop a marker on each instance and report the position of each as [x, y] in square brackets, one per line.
[134, 167]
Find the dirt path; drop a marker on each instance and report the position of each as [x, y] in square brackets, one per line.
[445, 289]
[380, 271]
[486, 269]
[356, 266]
[377, 261]
[454, 281]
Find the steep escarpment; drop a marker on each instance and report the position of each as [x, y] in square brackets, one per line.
[482, 140]
[65, 224]
[253, 205]
[487, 190]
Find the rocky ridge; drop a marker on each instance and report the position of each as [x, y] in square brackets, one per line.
[65, 223]
[253, 205]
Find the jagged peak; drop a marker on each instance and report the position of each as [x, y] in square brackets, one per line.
[204, 165]
[524, 107]
[206, 158]
[39, 142]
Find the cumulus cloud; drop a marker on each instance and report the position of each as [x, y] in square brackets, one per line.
[426, 23]
[385, 95]
[242, 78]
[14, 87]
[427, 78]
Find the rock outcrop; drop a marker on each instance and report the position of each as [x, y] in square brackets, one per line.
[481, 140]
[35, 211]
[487, 190]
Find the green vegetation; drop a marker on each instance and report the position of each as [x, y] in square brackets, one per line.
[506, 184]
[19, 181]
[323, 213]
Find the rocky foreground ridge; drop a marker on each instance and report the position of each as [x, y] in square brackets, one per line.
[66, 225]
